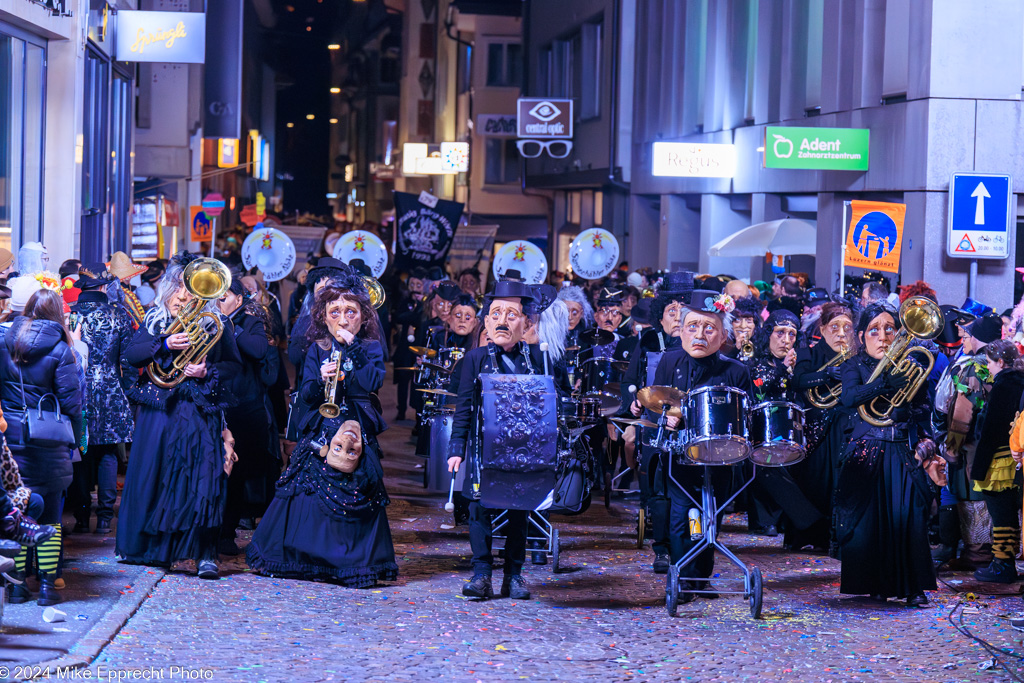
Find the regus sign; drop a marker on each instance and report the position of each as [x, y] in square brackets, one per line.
[827, 149]
[171, 37]
[693, 160]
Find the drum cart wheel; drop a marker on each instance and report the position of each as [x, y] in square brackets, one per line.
[756, 592]
[641, 527]
[672, 591]
[555, 552]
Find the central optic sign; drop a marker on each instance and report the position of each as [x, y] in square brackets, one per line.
[544, 118]
[693, 160]
[823, 149]
[175, 37]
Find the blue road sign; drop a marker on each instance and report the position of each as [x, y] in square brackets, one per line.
[980, 215]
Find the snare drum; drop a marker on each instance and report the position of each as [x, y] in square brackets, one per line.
[716, 426]
[777, 434]
[598, 372]
[449, 356]
[588, 410]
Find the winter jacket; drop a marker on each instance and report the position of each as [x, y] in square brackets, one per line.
[107, 330]
[49, 368]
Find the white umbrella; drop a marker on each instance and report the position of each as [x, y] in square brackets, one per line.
[782, 238]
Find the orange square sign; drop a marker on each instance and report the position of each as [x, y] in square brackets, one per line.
[202, 228]
[875, 235]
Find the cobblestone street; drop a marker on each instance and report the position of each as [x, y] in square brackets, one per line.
[601, 618]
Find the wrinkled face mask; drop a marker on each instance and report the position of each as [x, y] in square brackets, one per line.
[345, 448]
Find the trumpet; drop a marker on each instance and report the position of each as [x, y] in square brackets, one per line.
[329, 408]
[827, 395]
[205, 279]
[922, 319]
[746, 351]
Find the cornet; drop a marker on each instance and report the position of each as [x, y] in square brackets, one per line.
[922, 319]
[205, 279]
[329, 408]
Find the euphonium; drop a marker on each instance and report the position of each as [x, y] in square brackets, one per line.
[375, 290]
[827, 395]
[922, 319]
[205, 279]
[329, 408]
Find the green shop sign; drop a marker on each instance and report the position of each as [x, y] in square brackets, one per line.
[823, 149]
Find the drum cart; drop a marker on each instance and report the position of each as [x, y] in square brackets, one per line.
[540, 529]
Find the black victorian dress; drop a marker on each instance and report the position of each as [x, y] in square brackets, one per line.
[172, 504]
[326, 524]
[882, 496]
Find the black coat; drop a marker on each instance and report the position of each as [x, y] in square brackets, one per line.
[362, 380]
[992, 430]
[680, 370]
[107, 331]
[49, 368]
[771, 379]
[251, 340]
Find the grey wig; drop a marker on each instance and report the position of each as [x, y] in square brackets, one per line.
[159, 318]
[577, 295]
[553, 327]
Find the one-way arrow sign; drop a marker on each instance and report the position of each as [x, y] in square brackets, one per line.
[979, 209]
[980, 215]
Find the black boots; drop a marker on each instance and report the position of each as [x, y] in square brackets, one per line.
[47, 592]
[514, 587]
[479, 587]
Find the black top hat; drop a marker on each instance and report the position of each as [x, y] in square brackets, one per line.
[641, 313]
[359, 265]
[86, 282]
[512, 275]
[543, 297]
[510, 289]
[710, 301]
[448, 291]
[950, 337]
[435, 273]
[609, 297]
[816, 296]
[677, 283]
[987, 328]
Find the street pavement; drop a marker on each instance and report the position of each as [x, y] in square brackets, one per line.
[602, 618]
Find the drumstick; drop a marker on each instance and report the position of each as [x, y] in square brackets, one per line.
[544, 350]
[450, 506]
[411, 338]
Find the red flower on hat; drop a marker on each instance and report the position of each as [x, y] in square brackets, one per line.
[723, 303]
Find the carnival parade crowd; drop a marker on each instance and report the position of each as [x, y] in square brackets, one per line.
[879, 427]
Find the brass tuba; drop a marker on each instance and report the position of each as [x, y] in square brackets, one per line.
[375, 290]
[827, 395]
[205, 279]
[922, 319]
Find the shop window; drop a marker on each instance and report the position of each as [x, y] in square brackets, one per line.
[22, 87]
[589, 61]
[501, 162]
[505, 65]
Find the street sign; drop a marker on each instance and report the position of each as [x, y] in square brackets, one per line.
[980, 215]
[213, 204]
[201, 230]
[875, 236]
[544, 118]
[823, 149]
[177, 37]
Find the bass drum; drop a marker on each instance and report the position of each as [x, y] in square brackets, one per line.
[716, 426]
[777, 434]
[437, 478]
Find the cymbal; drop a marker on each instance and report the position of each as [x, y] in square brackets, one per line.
[413, 368]
[639, 422]
[437, 366]
[597, 337]
[439, 392]
[658, 398]
[572, 348]
[423, 351]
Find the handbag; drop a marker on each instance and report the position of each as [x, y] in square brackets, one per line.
[43, 429]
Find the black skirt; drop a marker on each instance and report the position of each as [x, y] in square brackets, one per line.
[881, 521]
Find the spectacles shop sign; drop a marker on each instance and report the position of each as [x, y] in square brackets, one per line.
[171, 37]
[544, 118]
[823, 149]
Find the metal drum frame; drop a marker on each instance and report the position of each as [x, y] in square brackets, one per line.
[539, 529]
[752, 583]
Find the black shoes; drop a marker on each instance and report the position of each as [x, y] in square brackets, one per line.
[918, 600]
[685, 596]
[771, 531]
[48, 594]
[81, 528]
[661, 563]
[24, 530]
[208, 570]
[878, 597]
[18, 593]
[999, 571]
[479, 587]
[102, 526]
[514, 587]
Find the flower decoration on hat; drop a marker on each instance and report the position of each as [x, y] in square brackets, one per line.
[48, 280]
[722, 303]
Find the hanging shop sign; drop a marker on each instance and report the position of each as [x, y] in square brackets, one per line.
[693, 160]
[822, 149]
[544, 118]
[447, 158]
[875, 236]
[174, 37]
[496, 125]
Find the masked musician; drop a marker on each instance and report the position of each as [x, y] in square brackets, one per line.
[771, 372]
[817, 375]
[581, 316]
[172, 504]
[326, 269]
[406, 315]
[698, 364]
[746, 319]
[345, 351]
[328, 519]
[883, 497]
[668, 309]
[505, 322]
[431, 330]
